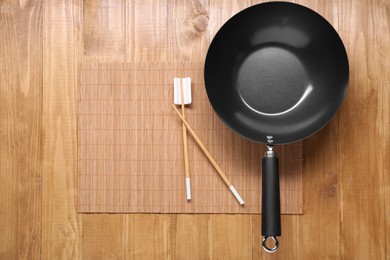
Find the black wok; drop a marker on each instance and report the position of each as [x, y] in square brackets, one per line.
[276, 73]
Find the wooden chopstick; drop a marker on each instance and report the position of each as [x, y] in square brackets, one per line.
[211, 159]
[186, 162]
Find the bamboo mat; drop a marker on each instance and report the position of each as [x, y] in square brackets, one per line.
[130, 156]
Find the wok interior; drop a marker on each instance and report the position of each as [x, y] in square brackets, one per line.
[276, 69]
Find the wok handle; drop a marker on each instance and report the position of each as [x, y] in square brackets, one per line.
[270, 216]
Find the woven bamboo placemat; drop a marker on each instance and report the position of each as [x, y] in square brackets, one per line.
[130, 156]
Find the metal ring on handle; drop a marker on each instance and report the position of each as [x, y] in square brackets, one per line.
[266, 248]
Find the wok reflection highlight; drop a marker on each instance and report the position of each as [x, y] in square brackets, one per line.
[308, 90]
[281, 34]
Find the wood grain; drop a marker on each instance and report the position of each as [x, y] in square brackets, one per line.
[189, 236]
[361, 126]
[148, 237]
[147, 30]
[385, 82]
[187, 30]
[61, 225]
[230, 237]
[20, 130]
[319, 230]
[346, 181]
[104, 30]
[104, 236]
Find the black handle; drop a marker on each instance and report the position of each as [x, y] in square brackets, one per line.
[270, 216]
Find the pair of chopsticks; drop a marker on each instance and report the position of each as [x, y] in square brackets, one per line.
[182, 97]
[186, 127]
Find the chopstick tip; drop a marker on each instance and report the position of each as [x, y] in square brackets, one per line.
[238, 197]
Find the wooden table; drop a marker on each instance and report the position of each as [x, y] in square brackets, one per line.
[346, 168]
